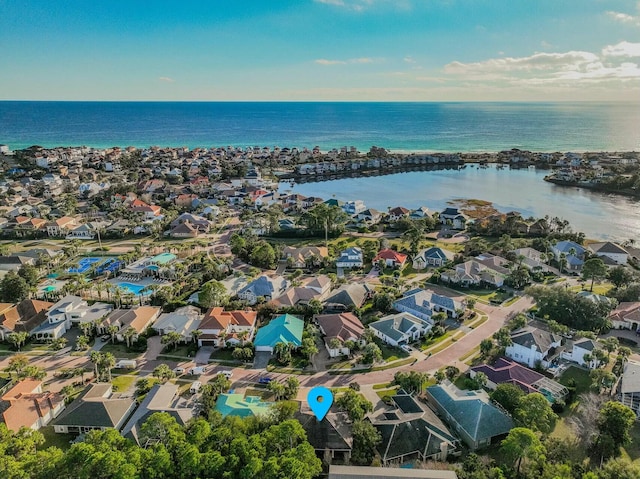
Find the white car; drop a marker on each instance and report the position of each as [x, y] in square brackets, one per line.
[406, 348]
[178, 370]
[228, 373]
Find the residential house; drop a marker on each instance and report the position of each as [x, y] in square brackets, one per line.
[149, 212]
[341, 326]
[531, 259]
[411, 431]
[61, 226]
[283, 329]
[25, 316]
[626, 316]
[330, 436]
[610, 253]
[304, 256]
[485, 269]
[138, 319]
[397, 213]
[350, 258]
[572, 252]
[432, 257]
[81, 232]
[400, 328]
[219, 327]
[26, 225]
[184, 230]
[419, 213]
[161, 398]
[390, 258]
[29, 406]
[470, 414]
[348, 296]
[505, 371]
[534, 346]
[424, 303]
[628, 392]
[369, 215]
[95, 408]
[15, 262]
[263, 287]
[354, 207]
[579, 349]
[67, 312]
[453, 218]
[183, 321]
[202, 224]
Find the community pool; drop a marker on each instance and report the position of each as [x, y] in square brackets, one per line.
[132, 288]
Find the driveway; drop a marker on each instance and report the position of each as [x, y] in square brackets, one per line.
[261, 359]
[204, 354]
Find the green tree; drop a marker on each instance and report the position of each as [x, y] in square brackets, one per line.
[486, 346]
[372, 353]
[18, 339]
[30, 274]
[308, 347]
[13, 288]
[503, 337]
[383, 302]
[163, 372]
[263, 255]
[534, 412]
[610, 344]
[213, 294]
[278, 389]
[594, 269]
[32, 372]
[508, 396]
[354, 404]
[282, 352]
[614, 423]
[411, 381]
[620, 276]
[292, 385]
[17, 363]
[171, 339]
[521, 444]
[365, 440]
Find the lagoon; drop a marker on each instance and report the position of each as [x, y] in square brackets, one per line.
[598, 215]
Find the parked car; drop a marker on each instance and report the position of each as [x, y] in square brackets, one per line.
[198, 370]
[105, 337]
[406, 348]
[265, 380]
[227, 372]
[178, 370]
[195, 387]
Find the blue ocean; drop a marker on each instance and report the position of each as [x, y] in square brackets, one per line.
[446, 127]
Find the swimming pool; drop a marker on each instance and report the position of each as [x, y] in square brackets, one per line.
[132, 288]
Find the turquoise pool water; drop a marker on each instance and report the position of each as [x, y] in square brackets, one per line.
[131, 288]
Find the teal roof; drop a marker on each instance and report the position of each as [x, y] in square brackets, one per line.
[283, 329]
[238, 405]
[163, 258]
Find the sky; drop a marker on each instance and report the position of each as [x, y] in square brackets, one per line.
[320, 50]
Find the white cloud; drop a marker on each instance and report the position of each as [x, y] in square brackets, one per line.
[538, 61]
[622, 49]
[324, 61]
[621, 17]
[408, 59]
[167, 79]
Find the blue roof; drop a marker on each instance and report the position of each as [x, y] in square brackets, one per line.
[283, 329]
[261, 286]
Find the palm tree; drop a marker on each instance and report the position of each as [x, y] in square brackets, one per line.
[128, 334]
[195, 334]
[112, 331]
[18, 339]
[94, 357]
[107, 362]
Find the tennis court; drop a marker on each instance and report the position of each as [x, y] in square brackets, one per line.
[84, 265]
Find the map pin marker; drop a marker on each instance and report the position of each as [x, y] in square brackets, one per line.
[320, 400]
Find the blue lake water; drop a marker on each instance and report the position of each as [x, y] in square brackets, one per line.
[598, 215]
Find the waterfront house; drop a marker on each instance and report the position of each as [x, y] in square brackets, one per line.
[453, 218]
[434, 256]
[424, 303]
[504, 371]
[369, 215]
[531, 259]
[161, 398]
[219, 327]
[183, 321]
[412, 431]
[470, 414]
[534, 346]
[27, 405]
[626, 316]
[609, 252]
[354, 207]
[263, 287]
[572, 252]
[95, 408]
[397, 213]
[419, 213]
[390, 258]
[285, 328]
[628, 392]
[400, 328]
[350, 258]
[342, 327]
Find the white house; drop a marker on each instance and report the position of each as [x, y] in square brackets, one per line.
[400, 328]
[67, 312]
[350, 258]
[581, 348]
[183, 321]
[424, 303]
[453, 218]
[533, 346]
[607, 250]
[432, 257]
[354, 207]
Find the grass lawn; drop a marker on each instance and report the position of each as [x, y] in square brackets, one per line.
[224, 354]
[119, 351]
[123, 382]
[386, 392]
[632, 451]
[53, 439]
[382, 386]
[183, 351]
[390, 353]
[581, 377]
[598, 288]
